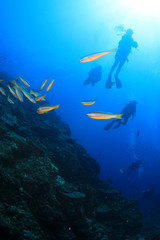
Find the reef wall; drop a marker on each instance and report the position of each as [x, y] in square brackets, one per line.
[49, 185]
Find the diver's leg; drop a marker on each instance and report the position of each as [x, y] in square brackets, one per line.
[108, 126]
[113, 67]
[118, 124]
[108, 83]
[118, 82]
[121, 63]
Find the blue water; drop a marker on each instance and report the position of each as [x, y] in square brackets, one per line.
[41, 38]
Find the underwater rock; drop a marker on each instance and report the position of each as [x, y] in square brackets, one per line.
[74, 195]
[49, 185]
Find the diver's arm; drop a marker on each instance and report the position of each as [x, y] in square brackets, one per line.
[134, 44]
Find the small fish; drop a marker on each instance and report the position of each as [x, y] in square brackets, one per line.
[36, 94]
[28, 95]
[19, 93]
[40, 97]
[10, 100]
[12, 91]
[24, 81]
[50, 85]
[95, 56]
[2, 91]
[1, 80]
[103, 115]
[44, 83]
[18, 85]
[109, 180]
[88, 103]
[138, 133]
[47, 108]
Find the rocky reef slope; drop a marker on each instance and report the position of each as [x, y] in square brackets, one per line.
[49, 185]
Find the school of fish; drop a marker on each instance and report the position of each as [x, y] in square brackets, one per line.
[19, 91]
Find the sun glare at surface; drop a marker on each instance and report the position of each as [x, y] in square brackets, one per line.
[148, 8]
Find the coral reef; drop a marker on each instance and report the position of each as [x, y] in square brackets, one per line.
[49, 185]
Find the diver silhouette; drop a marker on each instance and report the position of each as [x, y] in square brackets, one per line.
[124, 49]
[95, 75]
[134, 166]
[128, 111]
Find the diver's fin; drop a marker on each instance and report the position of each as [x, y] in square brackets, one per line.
[118, 82]
[108, 83]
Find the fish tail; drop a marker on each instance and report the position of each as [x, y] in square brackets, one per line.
[119, 116]
[31, 91]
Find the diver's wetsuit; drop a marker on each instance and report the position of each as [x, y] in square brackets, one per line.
[124, 49]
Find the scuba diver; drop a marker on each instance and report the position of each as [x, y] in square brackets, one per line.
[134, 166]
[128, 111]
[124, 49]
[95, 75]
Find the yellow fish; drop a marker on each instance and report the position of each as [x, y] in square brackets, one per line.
[103, 115]
[95, 56]
[41, 97]
[47, 108]
[44, 84]
[18, 85]
[88, 103]
[28, 95]
[36, 94]
[12, 91]
[24, 81]
[50, 85]
[10, 100]
[19, 94]
[2, 91]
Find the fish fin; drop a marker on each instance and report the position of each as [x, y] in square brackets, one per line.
[119, 116]
[31, 91]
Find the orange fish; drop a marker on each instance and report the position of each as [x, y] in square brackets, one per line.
[95, 56]
[45, 109]
[103, 115]
[88, 103]
[50, 85]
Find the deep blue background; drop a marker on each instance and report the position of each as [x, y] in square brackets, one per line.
[41, 38]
